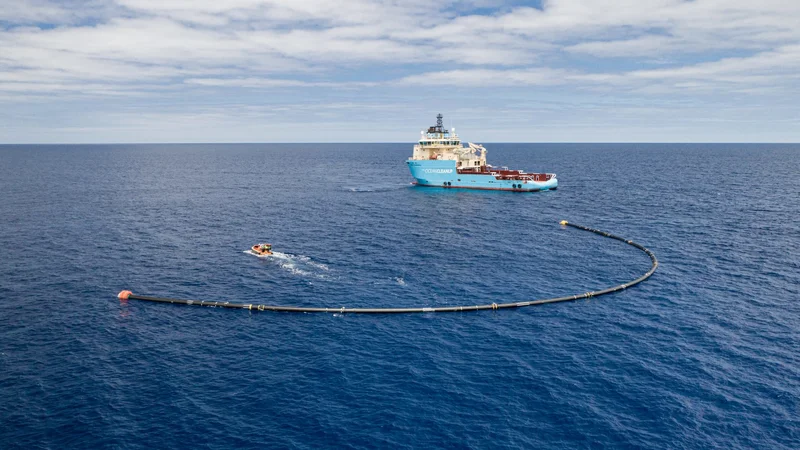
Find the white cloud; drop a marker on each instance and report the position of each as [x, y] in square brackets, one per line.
[50, 12]
[646, 49]
[769, 68]
[170, 41]
[267, 83]
[488, 77]
[264, 13]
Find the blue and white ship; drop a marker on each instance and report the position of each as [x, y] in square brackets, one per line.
[441, 160]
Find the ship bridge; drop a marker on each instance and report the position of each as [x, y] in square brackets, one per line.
[439, 143]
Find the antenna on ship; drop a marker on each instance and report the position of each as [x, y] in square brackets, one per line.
[439, 122]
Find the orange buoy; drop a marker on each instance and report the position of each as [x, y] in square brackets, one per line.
[124, 295]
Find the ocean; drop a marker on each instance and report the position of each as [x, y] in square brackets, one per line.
[704, 354]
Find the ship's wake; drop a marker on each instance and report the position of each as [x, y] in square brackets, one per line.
[377, 188]
[300, 265]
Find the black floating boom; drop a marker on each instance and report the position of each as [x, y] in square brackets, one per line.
[125, 295]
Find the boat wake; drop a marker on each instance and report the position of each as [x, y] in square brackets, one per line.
[300, 265]
[362, 189]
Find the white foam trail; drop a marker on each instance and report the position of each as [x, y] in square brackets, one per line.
[280, 255]
[376, 188]
[250, 252]
[296, 264]
[318, 265]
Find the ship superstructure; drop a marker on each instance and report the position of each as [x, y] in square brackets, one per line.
[441, 160]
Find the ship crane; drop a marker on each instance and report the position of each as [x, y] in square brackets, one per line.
[475, 148]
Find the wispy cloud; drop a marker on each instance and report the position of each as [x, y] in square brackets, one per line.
[489, 77]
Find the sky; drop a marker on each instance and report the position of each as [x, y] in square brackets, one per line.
[130, 71]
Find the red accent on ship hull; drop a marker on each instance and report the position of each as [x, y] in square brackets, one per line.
[509, 174]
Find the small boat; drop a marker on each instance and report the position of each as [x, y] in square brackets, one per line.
[262, 249]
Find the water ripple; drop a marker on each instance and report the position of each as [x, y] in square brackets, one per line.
[702, 355]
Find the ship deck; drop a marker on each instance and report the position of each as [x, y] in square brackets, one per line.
[505, 174]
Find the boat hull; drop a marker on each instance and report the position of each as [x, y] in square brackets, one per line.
[443, 174]
[255, 249]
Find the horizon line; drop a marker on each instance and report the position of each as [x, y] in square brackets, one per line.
[387, 142]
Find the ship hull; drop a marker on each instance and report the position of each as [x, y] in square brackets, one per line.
[443, 174]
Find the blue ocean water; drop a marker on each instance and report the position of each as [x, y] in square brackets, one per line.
[703, 354]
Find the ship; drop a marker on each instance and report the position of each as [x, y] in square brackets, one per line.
[441, 160]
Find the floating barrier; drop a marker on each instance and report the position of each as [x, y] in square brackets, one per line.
[125, 295]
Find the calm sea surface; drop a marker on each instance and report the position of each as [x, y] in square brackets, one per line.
[705, 354]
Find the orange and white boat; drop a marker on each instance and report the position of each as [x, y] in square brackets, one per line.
[262, 249]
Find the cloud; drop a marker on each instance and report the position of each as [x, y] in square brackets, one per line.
[381, 49]
[172, 41]
[268, 83]
[19, 12]
[487, 77]
[266, 14]
[779, 67]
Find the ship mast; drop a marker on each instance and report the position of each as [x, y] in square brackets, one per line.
[439, 128]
